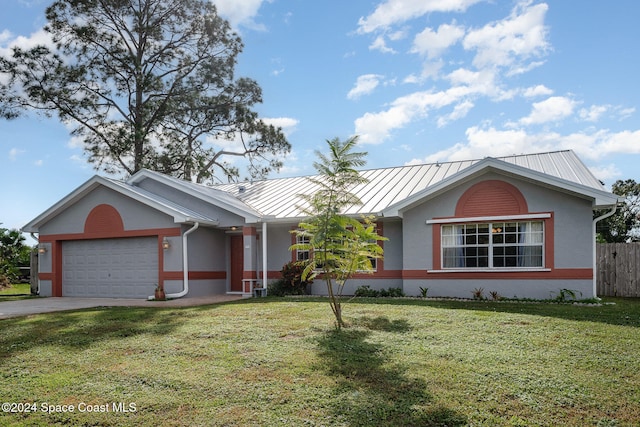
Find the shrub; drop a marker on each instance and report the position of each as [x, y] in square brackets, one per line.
[276, 289]
[395, 292]
[291, 282]
[566, 295]
[478, 293]
[292, 277]
[366, 291]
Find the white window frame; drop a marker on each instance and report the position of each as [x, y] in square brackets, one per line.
[490, 245]
[301, 252]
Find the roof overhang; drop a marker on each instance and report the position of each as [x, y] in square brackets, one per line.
[600, 199]
[209, 195]
[178, 213]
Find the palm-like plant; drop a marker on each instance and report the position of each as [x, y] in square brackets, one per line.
[341, 244]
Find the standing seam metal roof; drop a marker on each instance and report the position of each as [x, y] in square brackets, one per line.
[279, 198]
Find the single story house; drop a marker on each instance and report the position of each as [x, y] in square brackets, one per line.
[521, 226]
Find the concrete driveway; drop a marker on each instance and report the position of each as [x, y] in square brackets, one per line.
[26, 307]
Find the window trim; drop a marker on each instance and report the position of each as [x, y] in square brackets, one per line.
[299, 240]
[498, 218]
[548, 244]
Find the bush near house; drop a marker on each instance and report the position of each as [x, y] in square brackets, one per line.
[291, 282]
[366, 291]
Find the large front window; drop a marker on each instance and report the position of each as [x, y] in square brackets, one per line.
[493, 245]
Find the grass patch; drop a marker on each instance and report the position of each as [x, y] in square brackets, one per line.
[273, 362]
[15, 291]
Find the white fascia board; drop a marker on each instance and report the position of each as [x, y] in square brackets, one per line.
[600, 198]
[122, 188]
[180, 214]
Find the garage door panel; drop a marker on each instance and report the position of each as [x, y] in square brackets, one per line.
[112, 268]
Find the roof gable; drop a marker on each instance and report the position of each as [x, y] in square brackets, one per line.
[600, 197]
[179, 213]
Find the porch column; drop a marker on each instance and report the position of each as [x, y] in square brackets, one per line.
[249, 274]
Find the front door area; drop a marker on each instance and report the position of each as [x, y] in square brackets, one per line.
[237, 263]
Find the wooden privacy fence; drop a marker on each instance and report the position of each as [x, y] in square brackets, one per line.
[618, 269]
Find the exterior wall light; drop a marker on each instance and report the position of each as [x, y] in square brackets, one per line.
[165, 244]
[42, 249]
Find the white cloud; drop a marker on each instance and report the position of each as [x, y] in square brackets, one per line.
[483, 142]
[38, 162]
[459, 111]
[593, 113]
[507, 42]
[434, 43]
[365, 84]
[240, 13]
[79, 160]
[430, 69]
[4, 36]
[38, 38]
[624, 113]
[551, 109]
[605, 172]
[534, 91]
[380, 44]
[14, 153]
[392, 12]
[374, 128]
[287, 124]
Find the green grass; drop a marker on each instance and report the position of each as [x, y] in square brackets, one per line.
[15, 291]
[273, 362]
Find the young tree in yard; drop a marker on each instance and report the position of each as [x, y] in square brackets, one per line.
[145, 84]
[624, 225]
[341, 244]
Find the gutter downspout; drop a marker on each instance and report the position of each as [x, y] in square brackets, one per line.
[185, 263]
[595, 221]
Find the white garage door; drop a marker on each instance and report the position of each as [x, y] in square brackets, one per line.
[111, 268]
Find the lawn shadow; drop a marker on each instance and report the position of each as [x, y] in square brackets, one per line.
[372, 390]
[83, 328]
[382, 324]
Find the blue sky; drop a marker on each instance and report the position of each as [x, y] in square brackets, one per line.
[418, 81]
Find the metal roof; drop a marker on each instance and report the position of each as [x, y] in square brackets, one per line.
[387, 193]
[279, 198]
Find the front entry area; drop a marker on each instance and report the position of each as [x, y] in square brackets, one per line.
[110, 268]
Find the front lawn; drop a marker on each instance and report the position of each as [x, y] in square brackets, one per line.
[273, 362]
[15, 291]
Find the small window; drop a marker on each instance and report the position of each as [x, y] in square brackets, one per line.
[493, 245]
[302, 254]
